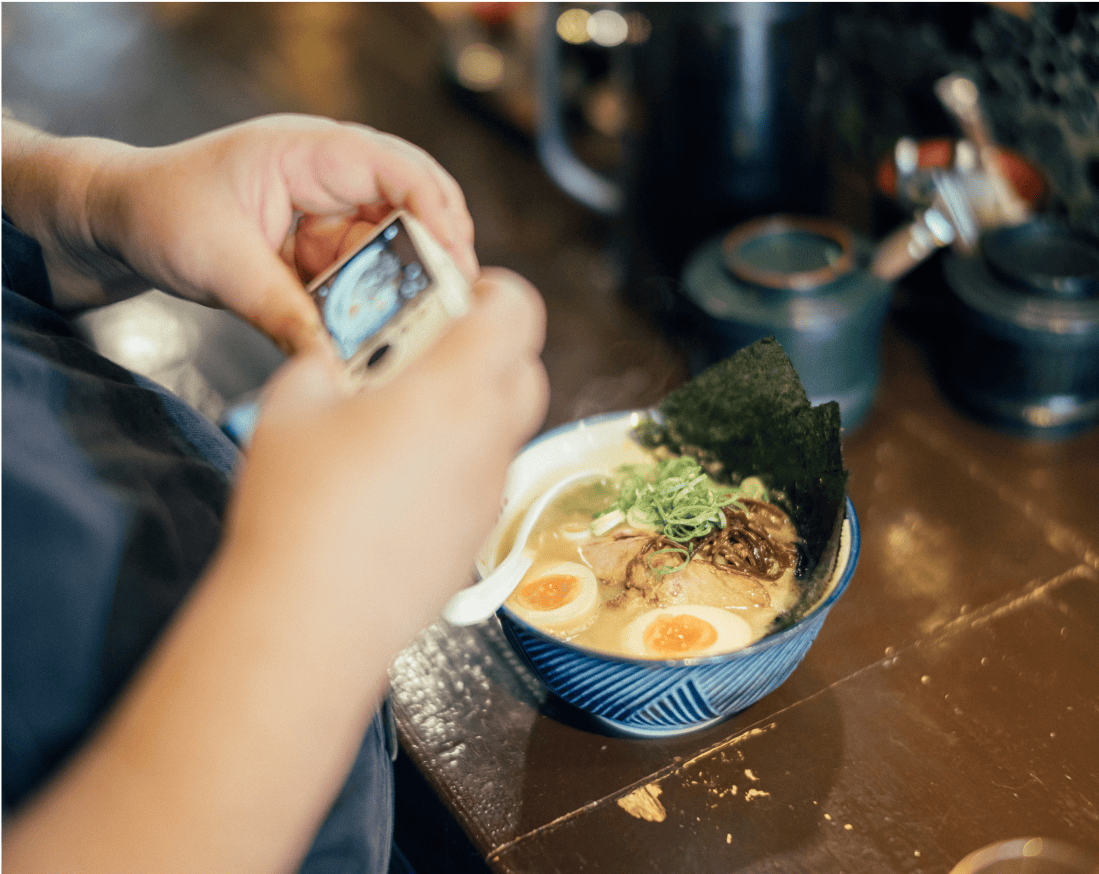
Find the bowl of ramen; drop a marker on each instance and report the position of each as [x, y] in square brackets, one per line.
[673, 591]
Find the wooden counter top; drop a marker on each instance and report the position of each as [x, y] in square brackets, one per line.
[951, 699]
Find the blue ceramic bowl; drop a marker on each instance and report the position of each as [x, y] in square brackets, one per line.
[645, 697]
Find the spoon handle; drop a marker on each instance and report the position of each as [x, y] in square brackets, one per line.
[481, 600]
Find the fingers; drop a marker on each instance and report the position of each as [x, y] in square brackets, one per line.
[320, 241]
[495, 351]
[510, 302]
[355, 168]
[262, 289]
[408, 176]
[516, 305]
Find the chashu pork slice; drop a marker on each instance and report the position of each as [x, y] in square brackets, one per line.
[628, 558]
[702, 582]
[610, 557]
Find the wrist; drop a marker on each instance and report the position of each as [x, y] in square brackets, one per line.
[56, 189]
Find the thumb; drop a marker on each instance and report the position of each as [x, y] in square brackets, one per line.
[250, 278]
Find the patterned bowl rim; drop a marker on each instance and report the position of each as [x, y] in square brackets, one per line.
[850, 542]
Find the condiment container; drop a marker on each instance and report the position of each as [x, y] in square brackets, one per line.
[806, 282]
[1022, 352]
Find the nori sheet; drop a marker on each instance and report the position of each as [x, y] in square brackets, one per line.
[748, 415]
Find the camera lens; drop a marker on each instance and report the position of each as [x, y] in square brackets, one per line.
[377, 355]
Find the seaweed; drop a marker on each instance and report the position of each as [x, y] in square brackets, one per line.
[749, 415]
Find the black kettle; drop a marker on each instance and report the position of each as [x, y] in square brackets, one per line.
[722, 130]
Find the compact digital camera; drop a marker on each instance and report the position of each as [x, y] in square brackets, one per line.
[384, 303]
[391, 298]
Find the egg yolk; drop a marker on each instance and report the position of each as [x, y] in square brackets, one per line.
[679, 635]
[549, 592]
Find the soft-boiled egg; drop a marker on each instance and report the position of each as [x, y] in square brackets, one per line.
[560, 597]
[685, 631]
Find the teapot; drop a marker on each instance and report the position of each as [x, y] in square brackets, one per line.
[720, 130]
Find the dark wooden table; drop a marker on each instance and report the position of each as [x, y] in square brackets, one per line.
[950, 701]
[952, 698]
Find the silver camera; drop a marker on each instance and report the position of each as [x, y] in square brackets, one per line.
[391, 298]
[383, 303]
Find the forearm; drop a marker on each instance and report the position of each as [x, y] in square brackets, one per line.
[227, 749]
[354, 518]
[49, 185]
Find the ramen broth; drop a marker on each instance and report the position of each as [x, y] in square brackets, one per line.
[698, 609]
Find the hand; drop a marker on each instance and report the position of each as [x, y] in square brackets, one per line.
[359, 482]
[355, 518]
[208, 218]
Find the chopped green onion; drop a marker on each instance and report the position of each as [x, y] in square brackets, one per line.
[673, 497]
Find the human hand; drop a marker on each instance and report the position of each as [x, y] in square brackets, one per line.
[388, 494]
[236, 218]
[354, 518]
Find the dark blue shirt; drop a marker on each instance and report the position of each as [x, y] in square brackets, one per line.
[114, 492]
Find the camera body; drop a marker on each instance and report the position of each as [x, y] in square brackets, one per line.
[384, 303]
[389, 299]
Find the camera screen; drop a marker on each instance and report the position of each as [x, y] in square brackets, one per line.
[371, 288]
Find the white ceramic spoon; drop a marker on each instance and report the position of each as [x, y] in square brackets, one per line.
[482, 599]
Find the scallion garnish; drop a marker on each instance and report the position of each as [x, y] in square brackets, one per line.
[673, 497]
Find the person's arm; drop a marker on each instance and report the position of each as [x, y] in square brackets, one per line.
[208, 219]
[353, 520]
[45, 184]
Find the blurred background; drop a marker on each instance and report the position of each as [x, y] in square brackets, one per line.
[608, 152]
